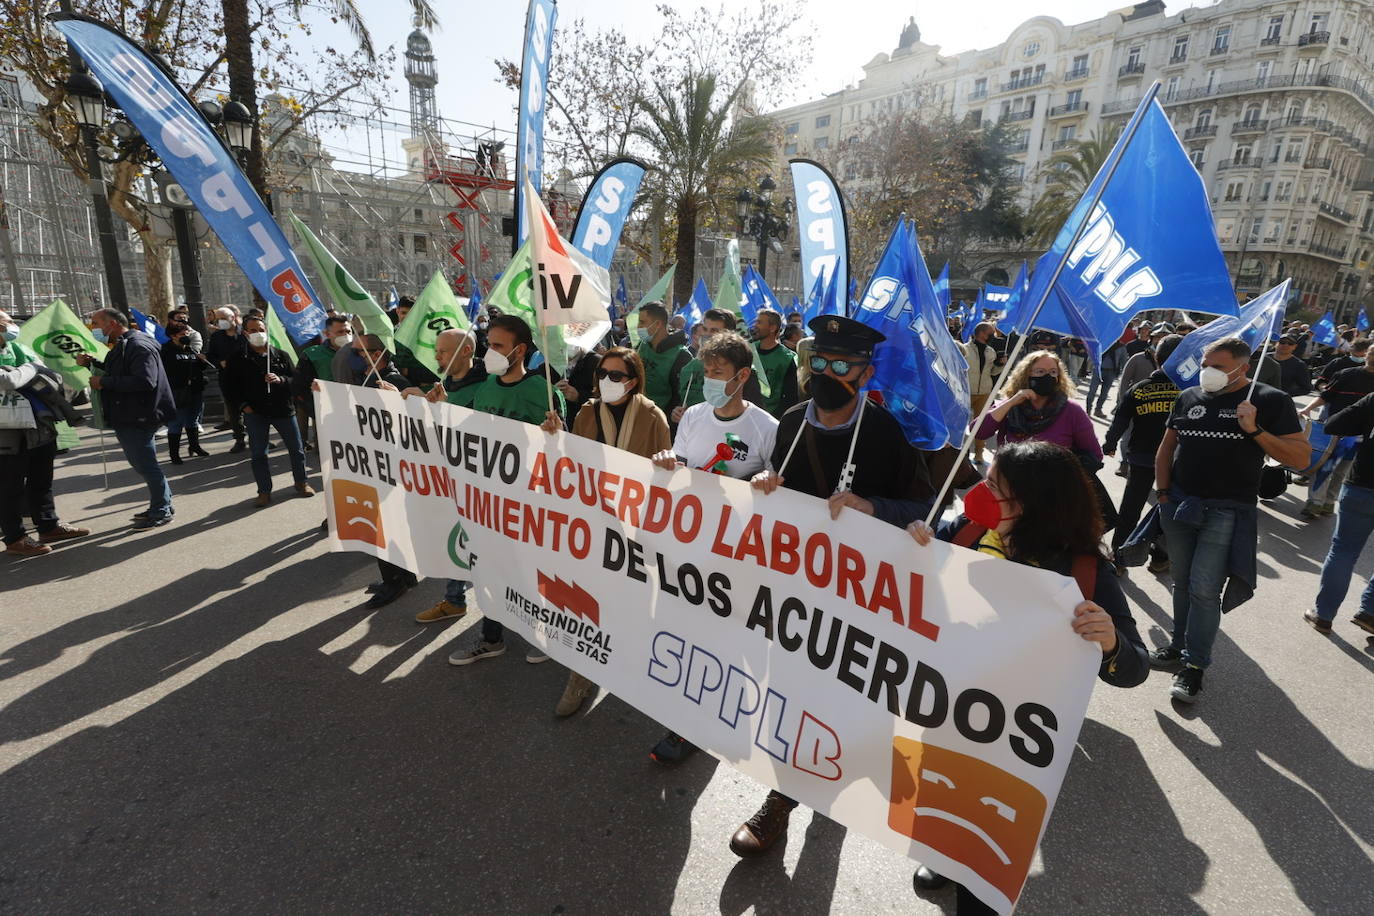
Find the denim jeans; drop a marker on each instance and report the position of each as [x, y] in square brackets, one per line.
[454, 591]
[1099, 386]
[1199, 558]
[189, 413]
[1354, 524]
[140, 449]
[258, 426]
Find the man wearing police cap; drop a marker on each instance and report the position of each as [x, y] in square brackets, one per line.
[886, 478]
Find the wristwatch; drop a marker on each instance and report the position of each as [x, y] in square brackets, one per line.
[1252, 435]
[1161, 493]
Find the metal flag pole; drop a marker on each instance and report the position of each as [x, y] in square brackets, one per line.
[1082, 227]
[104, 468]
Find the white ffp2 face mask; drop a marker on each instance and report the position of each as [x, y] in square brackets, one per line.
[611, 391]
[1212, 379]
[497, 364]
[258, 339]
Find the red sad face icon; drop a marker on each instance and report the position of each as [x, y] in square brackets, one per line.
[968, 809]
[357, 512]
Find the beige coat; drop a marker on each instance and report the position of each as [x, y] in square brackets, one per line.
[645, 429]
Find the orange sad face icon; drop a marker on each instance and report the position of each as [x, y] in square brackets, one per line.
[357, 512]
[968, 809]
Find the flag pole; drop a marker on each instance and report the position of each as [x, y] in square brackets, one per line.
[372, 363]
[104, 468]
[1264, 348]
[548, 367]
[1082, 227]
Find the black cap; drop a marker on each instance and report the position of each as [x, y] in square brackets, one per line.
[838, 334]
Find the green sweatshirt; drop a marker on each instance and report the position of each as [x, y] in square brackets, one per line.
[778, 364]
[691, 387]
[663, 367]
[321, 356]
[526, 400]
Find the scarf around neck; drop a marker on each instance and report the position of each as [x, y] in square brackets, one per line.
[614, 436]
[1026, 421]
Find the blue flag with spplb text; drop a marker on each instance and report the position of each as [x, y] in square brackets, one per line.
[202, 165]
[148, 325]
[1324, 331]
[1362, 322]
[757, 295]
[1255, 324]
[1148, 243]
[696, 306]
[919, 368]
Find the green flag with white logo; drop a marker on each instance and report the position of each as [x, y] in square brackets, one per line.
[513, 294]
[435, 311]
[276, 336]
[655, 294]
[345, 292]
[57, 336]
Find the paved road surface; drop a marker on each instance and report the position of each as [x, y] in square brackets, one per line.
[203, 718]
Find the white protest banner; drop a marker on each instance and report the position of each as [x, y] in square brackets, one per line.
[928, 697]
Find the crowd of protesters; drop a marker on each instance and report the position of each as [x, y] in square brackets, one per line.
[726, 399]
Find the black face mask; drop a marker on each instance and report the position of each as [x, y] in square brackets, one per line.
[829, 393]
[1044, 385]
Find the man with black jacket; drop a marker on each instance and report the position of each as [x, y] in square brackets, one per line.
[226, 342]
[1354, 522]
[136, 399]
[260, 380]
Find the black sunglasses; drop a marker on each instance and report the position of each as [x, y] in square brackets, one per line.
[837, 366]
[614, 375]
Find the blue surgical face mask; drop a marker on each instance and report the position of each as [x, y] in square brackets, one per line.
[11, 332]
[99, 335]
[645, 336]
[714, 391]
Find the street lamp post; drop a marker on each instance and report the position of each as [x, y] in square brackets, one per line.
[760, 221]
[88, 98]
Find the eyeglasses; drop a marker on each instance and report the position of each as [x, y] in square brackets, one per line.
[614, 375]
[837, 366]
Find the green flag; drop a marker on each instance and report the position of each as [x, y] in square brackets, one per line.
[764, 388]
[346, 293]
[436, 310]
[56, 335]
[513, 294]
[276, 336]
[655, 294]
[729, 291]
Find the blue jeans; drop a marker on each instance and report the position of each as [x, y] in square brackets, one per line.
[257, 427]
[1199, 559]
[189, 414]
[1354, 524]
[141, 451]
[454, 591]
[1099, 386]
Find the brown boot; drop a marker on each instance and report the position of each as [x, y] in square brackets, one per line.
[577, 691]
[305, 489]
[758, 834]
[263, 501]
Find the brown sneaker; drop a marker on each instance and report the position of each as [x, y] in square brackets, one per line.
[263, 501]
[305, 489]
[577, 691]
[63, 533]
[27, 547]
[758, 834]
[444, 610]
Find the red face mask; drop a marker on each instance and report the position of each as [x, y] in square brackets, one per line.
[982, 507]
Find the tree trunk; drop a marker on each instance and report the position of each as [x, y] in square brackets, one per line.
[238, 58]
[686, 249]
[157, 266]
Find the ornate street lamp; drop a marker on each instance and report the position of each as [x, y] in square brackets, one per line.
[88, 103]
[760, 220]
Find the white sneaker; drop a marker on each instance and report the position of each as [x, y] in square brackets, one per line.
[535, 657]
[476, 652]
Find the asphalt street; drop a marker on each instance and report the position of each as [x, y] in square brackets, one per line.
[204, 718]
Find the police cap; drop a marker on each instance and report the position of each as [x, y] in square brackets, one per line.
[838, 334]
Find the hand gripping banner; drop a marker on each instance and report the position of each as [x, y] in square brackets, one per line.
[929, 697]
[196, 156]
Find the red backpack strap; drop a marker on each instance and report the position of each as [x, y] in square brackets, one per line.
[1085, 574]
[969, 535]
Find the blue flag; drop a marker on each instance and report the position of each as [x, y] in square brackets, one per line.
[392, 298]
[1362, 322]
[148, 325]
[830, 302]
[1017, 308]
[696, 306]
[919, 368]
[1255, 323]
[757, 295]
[942, 287]
[815, 301]
[605, 207]
[973, 316]
[1148, 240]
[475, 302]
[853, 304]
[203, 166]
[1324, 331]
[534, 82]
[622, 298]
[822, 230]
[796, 306]
[995, 298]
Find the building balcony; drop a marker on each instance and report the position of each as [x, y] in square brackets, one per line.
[1328, 251]
[1177, 59]
[1200, 133]
[1012, 116]
[1335, 212]
[1071, 108]
[1317, 164]
[1251, 163]
[1366, 184]
[1025, 83]
[1250, 127]
[1020, 146]
[1058, 145]
[1236, 87]
[1219, 50]
[1130, 70]
[1313, 39]
[1070, 75]
[1272, 42]
[977, 94]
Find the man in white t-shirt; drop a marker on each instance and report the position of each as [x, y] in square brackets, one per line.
[725, 434]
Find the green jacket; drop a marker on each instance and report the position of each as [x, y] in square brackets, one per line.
[321, 356]
[691, 388]
[663, 367]
[526, 400]
[780, 365]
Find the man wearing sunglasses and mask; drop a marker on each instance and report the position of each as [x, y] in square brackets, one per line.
[890, 478]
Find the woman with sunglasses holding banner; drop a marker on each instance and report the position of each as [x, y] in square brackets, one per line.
[621, 416]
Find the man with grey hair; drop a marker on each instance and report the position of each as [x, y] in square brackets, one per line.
[136, 399]
[227, 342]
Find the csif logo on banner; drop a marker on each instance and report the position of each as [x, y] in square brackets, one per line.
[1101, 259]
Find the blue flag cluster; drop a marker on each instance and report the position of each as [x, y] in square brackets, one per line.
[757, 295]
[696, 306]
[1255, 324]
[919, 368]
[1147, 241]
[1324, 331]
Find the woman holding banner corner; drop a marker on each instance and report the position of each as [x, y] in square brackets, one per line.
[622, 417]
[1036, 508]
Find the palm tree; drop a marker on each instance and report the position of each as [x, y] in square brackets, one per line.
[238, 57]
[1067, 175]
[699, 152]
